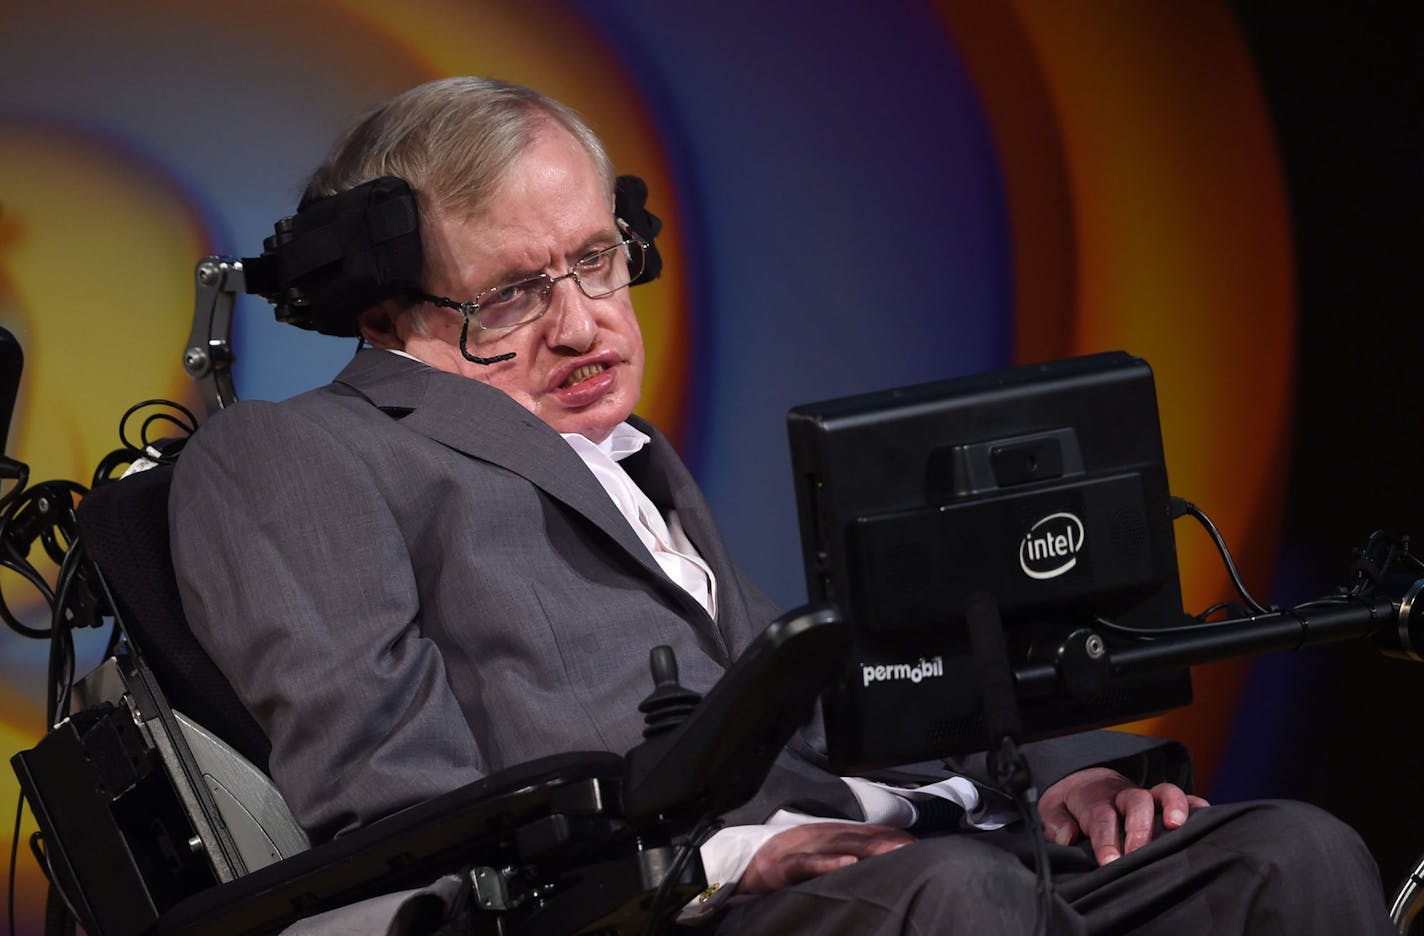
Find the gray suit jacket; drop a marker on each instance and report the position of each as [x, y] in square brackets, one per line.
[411, 581]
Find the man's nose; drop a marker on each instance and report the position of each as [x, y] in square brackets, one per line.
[571, 316]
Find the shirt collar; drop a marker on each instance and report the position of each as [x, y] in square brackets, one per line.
[407, 354]
[623, 441]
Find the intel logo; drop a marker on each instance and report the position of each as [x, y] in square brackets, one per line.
[1051, 545]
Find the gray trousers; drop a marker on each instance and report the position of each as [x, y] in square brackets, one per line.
[1264, 867]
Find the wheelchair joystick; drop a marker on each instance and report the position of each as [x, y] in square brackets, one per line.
[669, 704]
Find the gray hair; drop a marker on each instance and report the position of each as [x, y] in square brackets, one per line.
[452, 140]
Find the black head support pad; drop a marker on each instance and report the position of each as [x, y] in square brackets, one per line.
[630, 198]
[342, 254]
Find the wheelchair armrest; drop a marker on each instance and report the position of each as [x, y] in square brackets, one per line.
[502, 817]
[719, 757]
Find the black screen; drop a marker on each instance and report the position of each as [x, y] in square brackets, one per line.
[1043, 486]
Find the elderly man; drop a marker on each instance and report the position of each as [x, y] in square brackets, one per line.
[455, 556]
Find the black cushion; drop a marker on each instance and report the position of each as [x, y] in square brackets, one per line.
[123, 527]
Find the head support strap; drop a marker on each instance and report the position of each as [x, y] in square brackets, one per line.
[342, 254]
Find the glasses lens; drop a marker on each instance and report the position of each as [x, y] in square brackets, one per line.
[515, 304]
[633, 257]
[603, 272]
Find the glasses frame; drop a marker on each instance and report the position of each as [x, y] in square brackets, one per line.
[470, 309]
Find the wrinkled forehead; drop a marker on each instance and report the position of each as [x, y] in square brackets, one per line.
[471, 187]
[548, 209]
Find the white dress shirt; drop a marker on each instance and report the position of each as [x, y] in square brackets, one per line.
[661, 534]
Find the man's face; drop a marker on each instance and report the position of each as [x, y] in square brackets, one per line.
[579, 367]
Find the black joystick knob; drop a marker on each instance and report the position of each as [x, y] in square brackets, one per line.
[669, 704]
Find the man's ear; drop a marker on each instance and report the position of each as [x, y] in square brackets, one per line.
[377, 324]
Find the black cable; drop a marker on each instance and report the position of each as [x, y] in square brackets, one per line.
[145, 446]
[12, 560]
[104, 471]
[1200, 626]
[14, 856]
[50, 540]
[1181, 506]
[699, 835]
[40, 518]
[54, 534]
[63, 623]
[38, 852]
[1204, 616]
[1381, 553]
[1149, 632]
[22, 477]
[60, 671]
[189, 427]
[157, 418]
[44, 488]
[1324, 602]
[61, 656]
[1028, 810]
[11, 621]
[58, 920]
[28, 572]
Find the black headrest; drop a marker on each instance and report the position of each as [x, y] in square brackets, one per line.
[340, 255]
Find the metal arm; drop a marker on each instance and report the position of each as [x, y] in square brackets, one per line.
[208, 355]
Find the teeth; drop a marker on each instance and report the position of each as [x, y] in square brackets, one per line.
[584, 373]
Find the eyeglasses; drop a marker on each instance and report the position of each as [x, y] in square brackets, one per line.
[599, 274]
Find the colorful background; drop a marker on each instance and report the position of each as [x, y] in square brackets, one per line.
[854, 200]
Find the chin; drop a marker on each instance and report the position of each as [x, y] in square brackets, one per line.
[597, 427]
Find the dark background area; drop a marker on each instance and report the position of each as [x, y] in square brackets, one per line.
[1346, 93]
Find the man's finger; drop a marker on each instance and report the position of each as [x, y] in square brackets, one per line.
[803, 867]
[1062, 832]
[1059, 826]
[1138, 810]
[806, 851]
[1174, 804]
[860, 841]
[1104, 832]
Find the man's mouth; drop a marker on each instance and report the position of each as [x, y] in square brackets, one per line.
[584, 373]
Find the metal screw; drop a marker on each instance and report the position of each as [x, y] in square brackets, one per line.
[1094, 647]
[195, 359]
[208, 273]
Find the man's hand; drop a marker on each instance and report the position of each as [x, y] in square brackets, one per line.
[806, 851]
[1111, 810]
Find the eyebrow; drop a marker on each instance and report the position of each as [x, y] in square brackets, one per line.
[598, 241]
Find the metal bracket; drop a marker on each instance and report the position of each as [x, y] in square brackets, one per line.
[208, 355]
[491, 887]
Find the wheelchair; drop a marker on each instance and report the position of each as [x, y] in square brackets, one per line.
[157, 815]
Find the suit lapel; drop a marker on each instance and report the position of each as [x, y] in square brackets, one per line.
[484, 423]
